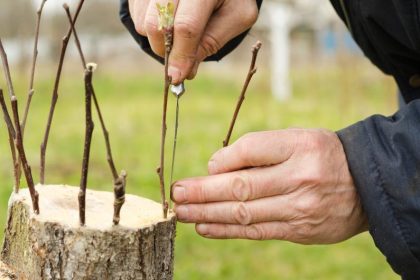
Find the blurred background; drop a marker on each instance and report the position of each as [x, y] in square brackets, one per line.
[311, 74]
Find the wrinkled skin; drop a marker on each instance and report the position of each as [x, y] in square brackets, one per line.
[292, 185]
[201, 28]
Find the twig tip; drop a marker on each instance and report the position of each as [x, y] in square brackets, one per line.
[91, 66]
[257, 46]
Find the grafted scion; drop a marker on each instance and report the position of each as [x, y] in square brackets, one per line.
[166, 24]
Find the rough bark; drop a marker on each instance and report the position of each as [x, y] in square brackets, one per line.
[6, 273]
[52, 245]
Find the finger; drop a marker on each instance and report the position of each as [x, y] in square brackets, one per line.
[271, 209]
[216, 35]
[151, 25]
[255, 149]
[194, 70]
[242, 185]
[138, 9]
[191, 20]
[262, 231]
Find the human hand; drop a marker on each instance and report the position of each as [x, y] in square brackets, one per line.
[292, 185]
[201, 29]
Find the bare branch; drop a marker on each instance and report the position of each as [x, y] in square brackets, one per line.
[22, 156]
[6, 70]
[252, 70]
[31, 90]
[12, 136]
[18, 136]
[55, 94]
[87, 146]
[76, 36]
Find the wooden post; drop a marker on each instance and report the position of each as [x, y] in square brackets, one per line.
[52, 245]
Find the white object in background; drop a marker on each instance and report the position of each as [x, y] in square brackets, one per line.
[279, 19]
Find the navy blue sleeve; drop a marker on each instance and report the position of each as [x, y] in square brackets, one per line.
[384, 158]
[145, 45]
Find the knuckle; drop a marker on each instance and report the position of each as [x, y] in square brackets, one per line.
[315, 140]
[244, 145]
[304, 232]
[210, 44]
[250, 15]
[202, 214]
[150, 26]
[242, 214]
[255, 232]
[315, 175]
[186, 27]
[139, 26]
[308, 205]
[241, 187]
[201, 192]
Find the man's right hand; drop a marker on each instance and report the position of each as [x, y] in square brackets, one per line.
[201, 29]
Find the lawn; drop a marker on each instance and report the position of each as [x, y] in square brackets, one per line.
[332, 98]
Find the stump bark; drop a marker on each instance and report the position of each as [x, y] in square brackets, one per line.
[6, 273]
[52, 245]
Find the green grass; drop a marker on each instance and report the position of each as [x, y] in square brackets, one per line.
[329, 98]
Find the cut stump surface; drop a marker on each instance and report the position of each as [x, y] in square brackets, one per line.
[52, 245]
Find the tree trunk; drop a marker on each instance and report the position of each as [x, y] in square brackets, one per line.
[52, 245]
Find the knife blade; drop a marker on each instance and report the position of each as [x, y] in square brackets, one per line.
[178, 91]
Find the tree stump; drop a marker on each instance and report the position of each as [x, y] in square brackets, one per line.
[6, 273]
[52, 245]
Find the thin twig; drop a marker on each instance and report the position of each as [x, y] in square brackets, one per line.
[252, 70]
[168, 34]
[87, 145]
[166, 15]
[12, 136]
[119, 181]
[22, 156]
[109, 157]
[31, 90]
[119, 196]
[6, 70]
[55, 94]
[18, 136]
[76, 36]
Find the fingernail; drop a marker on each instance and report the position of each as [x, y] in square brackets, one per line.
[179, 194]
[203, 229]
[182, 213]
[175, 74]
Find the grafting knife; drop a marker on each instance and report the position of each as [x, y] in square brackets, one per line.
[177, 91]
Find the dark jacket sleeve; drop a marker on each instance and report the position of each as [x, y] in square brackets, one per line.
[384, 158]
[145, 45]
[384, 153]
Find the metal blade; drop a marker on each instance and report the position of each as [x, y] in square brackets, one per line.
[178, 92]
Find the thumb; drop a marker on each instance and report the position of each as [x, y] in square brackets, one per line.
[231, 20]
[190, 22]
[258, 149]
